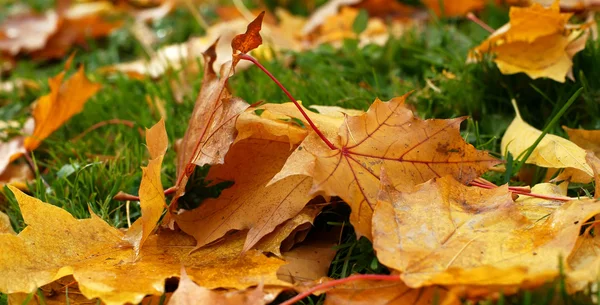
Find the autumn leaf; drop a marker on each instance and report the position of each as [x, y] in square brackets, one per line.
[268, 126]
[27, 32]
[586, 139]
[383, 293]
[251, 39]
[388, 135]
[189, 292]
[5, 226]
[537, 41]
[152, 198]
[93, 252]
[249, 203]
[64, 100]
[583, 262]
[552, 152]
[538, 208]
[289, 233]
[451, 234]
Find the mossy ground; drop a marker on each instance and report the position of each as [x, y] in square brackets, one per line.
[87, 172]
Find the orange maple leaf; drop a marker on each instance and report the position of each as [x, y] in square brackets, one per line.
[388, 135]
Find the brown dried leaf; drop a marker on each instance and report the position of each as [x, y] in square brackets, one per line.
[383, 293]
[249, 203]
[188, 293]
[244, 43]
[27, 32]
[388, 135]
[54, 244]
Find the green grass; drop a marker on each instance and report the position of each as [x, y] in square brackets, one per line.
[90, 171]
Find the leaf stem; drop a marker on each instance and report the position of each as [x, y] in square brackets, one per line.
[480, 22]
[521, 191]
[289, 95]
[352, 278]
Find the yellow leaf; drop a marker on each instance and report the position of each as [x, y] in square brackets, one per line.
[552, 152]
[388, 135]
[152, 198]
[537, 41]
[249, 203]
[55, 244]
[454, 8]
[5, 226]
[268, 126]
[64, 100]
[538, 208]
[450, 234]
[586, 139]
[584, 262]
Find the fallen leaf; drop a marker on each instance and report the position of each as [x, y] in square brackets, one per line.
[93, 252]
[383, 293]
[268, 126]
[552, 152]
[538, 208]
[449, 234]
[26, 32]
[594, 163]
[251, 39]
[64, 101]
[188, 293]
[329, 9]
[454, 8]
[248, 204]
[388, 135]
[584, 263]
[212, 124]
[537, 41]
[586, 139]
[275, 242]
[62, 291]
[17, 174]
[311, 259]
[152, 198]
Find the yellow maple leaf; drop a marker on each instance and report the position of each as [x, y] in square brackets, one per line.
[537, 41]
[55, 244]
[451, 234]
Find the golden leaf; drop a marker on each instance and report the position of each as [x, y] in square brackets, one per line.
[383, 293]
[450, 234]
[454, 8]
[152, 197]
[552, 152]
[55, 244]
[537, 41]
[64, 100]
[388, 135]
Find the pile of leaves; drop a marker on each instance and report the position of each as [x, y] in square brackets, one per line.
[415, 188]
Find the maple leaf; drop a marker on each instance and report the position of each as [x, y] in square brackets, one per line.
[384, 293]
[388, 135]
[537, 41]
[189, 292]
[552, 152]
[152, 198]
[451, 234]
[249, 203]
[64, 100]
[268, 126]
[212, 124]
[55, 244]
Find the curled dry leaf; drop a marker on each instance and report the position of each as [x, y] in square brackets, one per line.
[249, 203]
[388, 135]
[552, 152]
[287, 234]
[188, 293]
[55, 244]
[251, 39]
[384, 293]
[451, 234]
[152, 197]
[537, 41]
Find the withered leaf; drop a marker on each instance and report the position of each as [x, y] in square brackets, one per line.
[55, 244]
[249, 203]
[451, 234]
[388, 135]
[244, 43]
[383, 293]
